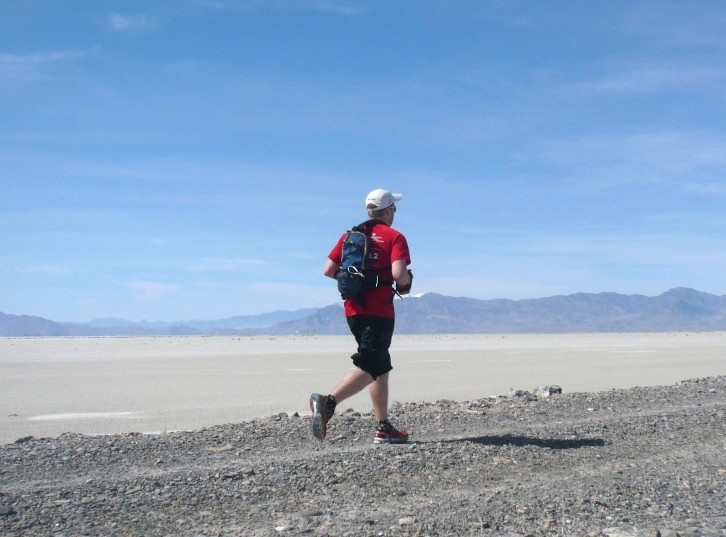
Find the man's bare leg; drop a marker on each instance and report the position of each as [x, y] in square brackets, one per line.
[351, 384]
[379, 397]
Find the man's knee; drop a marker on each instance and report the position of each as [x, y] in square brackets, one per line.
[375, 362]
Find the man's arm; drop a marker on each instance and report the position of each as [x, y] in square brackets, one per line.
[331, 267]
[400, 273]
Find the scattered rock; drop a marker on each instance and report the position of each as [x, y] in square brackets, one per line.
[309, 513]
[546, 391]
[220, 449]
[487, 467]
[619, 532]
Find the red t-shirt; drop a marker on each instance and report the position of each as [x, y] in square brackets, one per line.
[385, 245]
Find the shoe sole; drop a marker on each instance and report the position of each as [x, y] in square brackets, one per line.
[317, 426]
[389, 441]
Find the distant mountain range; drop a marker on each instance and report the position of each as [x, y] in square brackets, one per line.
[231, 323]
[679, 309]
[23, 325]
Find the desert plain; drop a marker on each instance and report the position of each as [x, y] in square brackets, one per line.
[630, 449]
[105, 385]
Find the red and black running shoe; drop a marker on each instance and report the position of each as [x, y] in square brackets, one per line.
[320, 406]
[390, 435]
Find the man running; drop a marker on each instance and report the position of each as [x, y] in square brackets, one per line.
[371, 319]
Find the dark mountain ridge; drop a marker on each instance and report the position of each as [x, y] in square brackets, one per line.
[674, 310]
[234, 323]
[678, 309]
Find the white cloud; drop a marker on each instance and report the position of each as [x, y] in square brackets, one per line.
[339, 7]
[152, 290]
[25, 65]
[706, 189]
[682, 160]
[658, 78]
[681, 24]
[55, 270]
[224, 265]
[295, 293]
[646, 250]
[123, 23]
[211, 4]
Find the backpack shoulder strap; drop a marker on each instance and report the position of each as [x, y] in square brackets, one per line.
[363, 227]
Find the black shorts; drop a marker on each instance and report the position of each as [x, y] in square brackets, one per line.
[373, 335]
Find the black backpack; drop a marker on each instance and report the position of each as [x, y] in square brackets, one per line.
[354, 277]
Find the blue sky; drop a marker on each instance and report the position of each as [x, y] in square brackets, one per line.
[198, 159]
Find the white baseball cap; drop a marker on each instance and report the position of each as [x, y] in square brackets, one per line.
[380, 199]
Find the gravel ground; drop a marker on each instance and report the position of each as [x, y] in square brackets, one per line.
[643, 461]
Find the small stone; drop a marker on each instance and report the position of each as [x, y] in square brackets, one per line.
[618, 532]
[219, 449]
[282, 529]
[722, 470]
[308, 513]
[23, 440]
[406, 521]
[7, 510]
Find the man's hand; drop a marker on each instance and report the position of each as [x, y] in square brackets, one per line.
[405, 289]
[331, 267]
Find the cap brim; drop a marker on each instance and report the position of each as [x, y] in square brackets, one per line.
[397, 197]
